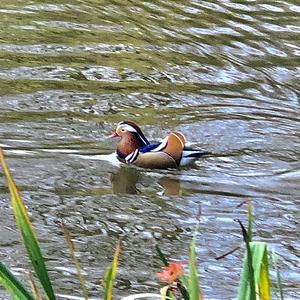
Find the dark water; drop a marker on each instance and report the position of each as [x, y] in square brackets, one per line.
[225, 73]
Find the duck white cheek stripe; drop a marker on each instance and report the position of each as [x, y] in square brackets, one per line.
[126, 127]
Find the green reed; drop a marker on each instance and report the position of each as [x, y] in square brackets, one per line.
[254, 280]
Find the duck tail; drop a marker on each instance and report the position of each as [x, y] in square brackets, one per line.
[196, 153]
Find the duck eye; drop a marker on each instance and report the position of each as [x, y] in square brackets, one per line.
[122, 129]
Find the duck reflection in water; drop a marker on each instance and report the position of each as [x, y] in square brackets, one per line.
[126, 179]
[171, 186]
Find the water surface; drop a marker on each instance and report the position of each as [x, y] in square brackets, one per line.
[225, 73]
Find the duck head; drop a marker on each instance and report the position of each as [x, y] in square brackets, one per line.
[131, 136]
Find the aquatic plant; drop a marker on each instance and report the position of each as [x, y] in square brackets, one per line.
[111, 273]
[75, 261]
[16, 289]
[254, 280]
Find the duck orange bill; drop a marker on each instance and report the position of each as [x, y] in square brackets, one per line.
[113, 135]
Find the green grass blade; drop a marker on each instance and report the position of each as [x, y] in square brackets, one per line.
[244, 285]
[161, 255]
[278, 276]
[111, 273]
[76, 262]
[261, 269]
[247, 281]
[193, 280]
[193, 286]
[260, 264]
[250, 220]
[13, 285]
[182, 288]
[27, 232]
[185, 280]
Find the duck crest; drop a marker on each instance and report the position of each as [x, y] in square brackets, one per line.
[137, 130]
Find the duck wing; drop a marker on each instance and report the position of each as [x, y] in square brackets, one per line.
[167, 154]
[173, 144]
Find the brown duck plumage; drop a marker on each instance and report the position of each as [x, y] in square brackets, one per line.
[135, 149]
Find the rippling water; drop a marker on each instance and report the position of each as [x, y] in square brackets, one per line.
[225, 73]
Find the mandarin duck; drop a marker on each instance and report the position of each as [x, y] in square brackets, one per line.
[134, 148]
